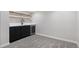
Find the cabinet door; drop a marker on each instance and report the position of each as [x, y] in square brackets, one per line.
[13, 34]
[26, 31]
[32, 29]
[18, 33]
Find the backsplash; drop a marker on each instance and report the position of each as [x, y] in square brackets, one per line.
[18, 20]
[17, 16]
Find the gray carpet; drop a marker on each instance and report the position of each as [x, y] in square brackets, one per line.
[36, 41]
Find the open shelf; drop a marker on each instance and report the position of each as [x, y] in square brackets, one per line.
[20, 14]
[13, 16]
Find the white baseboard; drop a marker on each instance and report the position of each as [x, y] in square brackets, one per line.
[58, 38]
[3, 45]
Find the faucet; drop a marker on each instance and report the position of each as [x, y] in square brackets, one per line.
[22, 20]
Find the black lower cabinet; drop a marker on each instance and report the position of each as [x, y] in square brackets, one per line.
[19, 32]
[25, 31]
[33, 29]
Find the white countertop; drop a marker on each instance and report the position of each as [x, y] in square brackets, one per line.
[19, 24]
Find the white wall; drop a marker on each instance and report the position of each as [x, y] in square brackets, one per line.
[60, 24]
[4, 28]
[0, 28]
[78, 26]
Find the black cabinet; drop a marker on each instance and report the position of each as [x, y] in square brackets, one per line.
[19, 32]
[25, 31]
[32, 29]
